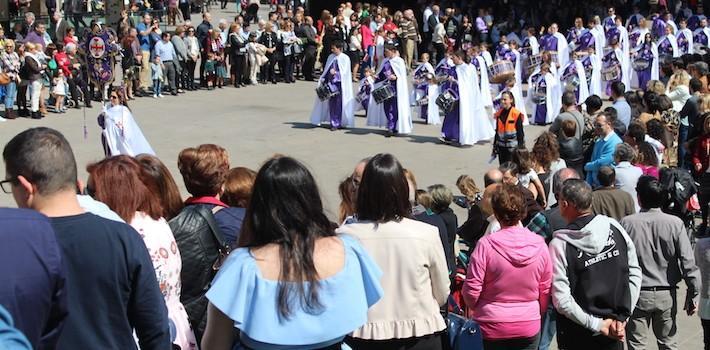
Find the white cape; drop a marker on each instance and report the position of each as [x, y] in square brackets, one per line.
[376, 112]
[518, 87]
[552, 97]
[582, 75]
[487, 56]
[122, 134]
[485, 86]
[674, 44]
[562, 49]
[432, 117]
[595, 82]
[321, 110]
[365, 81]
[599, 41]
[625, 48]
[473, 119]
[534, 45]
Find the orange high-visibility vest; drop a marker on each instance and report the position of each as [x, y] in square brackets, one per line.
[507, 133]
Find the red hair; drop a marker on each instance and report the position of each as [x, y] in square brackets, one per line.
[121, 183]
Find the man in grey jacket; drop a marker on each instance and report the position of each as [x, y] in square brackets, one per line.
[596, 275]
[666, 256]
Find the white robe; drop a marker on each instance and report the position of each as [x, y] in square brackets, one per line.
[595, 82]
[625, 48]
[473, 120]
[518, 87]
[534, 45]
[582, 75]
[432, 110]
[376, 111]
[379, 51]
[688, 37]
[562, 49]
[418, 93]
[321, 109]
[674, 44]
[487, 56]
[122, 134]
[598, 41]
[552, 97]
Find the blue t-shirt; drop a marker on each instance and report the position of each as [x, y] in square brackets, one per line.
[241, 293]
[143, 39]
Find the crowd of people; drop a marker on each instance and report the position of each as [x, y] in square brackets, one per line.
[584, 236]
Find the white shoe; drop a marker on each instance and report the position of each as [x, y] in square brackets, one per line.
[155, 96]
[2, 119]
[161, 95]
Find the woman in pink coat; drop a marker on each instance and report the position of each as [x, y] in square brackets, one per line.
[508, 281]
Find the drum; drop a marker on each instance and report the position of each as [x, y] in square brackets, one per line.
[640, 64]
[384, 93]
[325, 93]
[534, 61]
[421, 102]
[610, 73]
[501, 71]
[361, 97]
[554, 56]
[700, 49]
[571, 82]
[447, 101]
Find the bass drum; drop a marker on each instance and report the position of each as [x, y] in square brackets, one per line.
[447, 101]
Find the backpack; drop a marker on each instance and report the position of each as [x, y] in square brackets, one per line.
[202, 250]
[679, 186]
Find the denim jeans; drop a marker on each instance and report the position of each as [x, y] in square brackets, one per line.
[156, 87]
[10, 94]
[548, 330]
[682, 152]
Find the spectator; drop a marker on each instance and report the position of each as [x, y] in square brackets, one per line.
[553, 215]
[346, 190]
[510, 176]
[609, 200]
[180, 60]
[571, 147]
[475, 225]
[689, 116]
[701, 160]
[604, 148]
[518, 254]
[441, 205]
[123, 184]
[591, 314]
[288, 238]
[238, 185]
[528, 176]
[647, 159]
[33, 288]
[32, 69]
[626, 174]
[438, 39]
[569, 105]
[144, 29]
[237, 55]
[665, 256]
[168, 193]
[202, 33]
[11, 337]
[193, 54]
[623, 110]
[109, 272]
[36, 36]
[546, 162]
[594, 105]
[10, 65]
[422, 283]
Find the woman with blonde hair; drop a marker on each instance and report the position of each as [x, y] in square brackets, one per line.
[467, 187]
[678, 89]
[656, 86]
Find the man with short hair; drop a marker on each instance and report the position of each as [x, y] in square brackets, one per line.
[32, 278]
[569, 104]
[596, 275]
[112, 289]
[623, 109]
[665, 256]
[168, 57]
[689, 117]
[627, 175]
[609, 200]
[36, 36]
[144, 29]
[201, 33]
[604, 147]
[492, 176]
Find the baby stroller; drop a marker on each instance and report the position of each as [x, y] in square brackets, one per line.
[680, 188]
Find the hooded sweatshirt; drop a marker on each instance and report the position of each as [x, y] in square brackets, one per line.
[508, 283]
[592, 261]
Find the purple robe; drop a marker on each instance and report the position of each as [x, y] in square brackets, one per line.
[608, 23]
[335, 103]
[550, 43]
[683, 44]
[584, 41]
[390, 106]
[665, 47]
[634, 39]
[540, 109]
[450, 127]
[658, 28]
[366, 91]
[571, 69]
[611, 60]
[701, 38]
[645, 75]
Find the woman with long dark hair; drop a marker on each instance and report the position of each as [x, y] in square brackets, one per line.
[168, 192]
[409, 252]
[311, 286]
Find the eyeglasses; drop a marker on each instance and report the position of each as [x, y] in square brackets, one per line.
[6, 185]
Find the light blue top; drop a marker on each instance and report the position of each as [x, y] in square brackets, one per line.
[241, 293]
[623, 111]
[165, 50]
[602, 154]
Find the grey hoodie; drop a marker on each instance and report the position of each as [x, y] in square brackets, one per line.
[591, 239]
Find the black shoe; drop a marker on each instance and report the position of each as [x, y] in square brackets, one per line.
[36, 115]
[273, 82]
[174, 93]
[24, 113]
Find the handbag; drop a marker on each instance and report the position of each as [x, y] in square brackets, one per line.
[4, 78]
[464, 333]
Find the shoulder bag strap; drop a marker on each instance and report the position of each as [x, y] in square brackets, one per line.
[222, 248]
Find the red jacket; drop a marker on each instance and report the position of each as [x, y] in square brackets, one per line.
[701, 153]
[63, 63]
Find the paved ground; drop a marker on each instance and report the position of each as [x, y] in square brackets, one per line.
[255, 123]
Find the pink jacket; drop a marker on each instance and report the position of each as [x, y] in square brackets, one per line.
[508, 283]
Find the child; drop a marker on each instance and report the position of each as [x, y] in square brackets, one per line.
[365, 89]
[527, 175]
[210, 70]
[157, 76]
[220, 71]
[59, 91]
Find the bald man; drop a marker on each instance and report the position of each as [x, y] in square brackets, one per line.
[492, 176]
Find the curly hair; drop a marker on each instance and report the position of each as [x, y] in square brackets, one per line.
[656, 129]
[546, 150]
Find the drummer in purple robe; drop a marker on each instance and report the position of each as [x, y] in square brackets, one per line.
[610, 20]
[701, 35]
[667, 45]
[450, 127]
[387, 73]
[557, 43]
[645, 52]
[338, 110]
[613, 59]
[658, 26]
[584, 41]
[393, 113]
[684, 38]
[575, 32]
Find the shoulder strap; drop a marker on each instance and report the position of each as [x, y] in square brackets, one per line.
[214, 228]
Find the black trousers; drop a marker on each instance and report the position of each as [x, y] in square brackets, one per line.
[505, 154]
[706, 333]
[191, 74]
[203, 59]
[440, 51]
[182, 77]
[238, 63]
[287, 64]
[435, 341]
[309, 62]
[517, 343]
[185, 9]
[74, 85]
[704, 196]
[268, 70]
[22, 95]
[571, 336]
